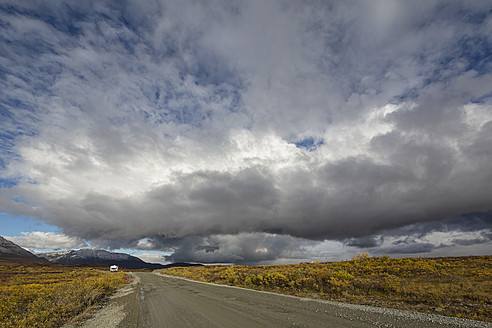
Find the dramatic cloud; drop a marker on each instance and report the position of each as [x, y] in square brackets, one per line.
[433, 238]
[249, 131]
[47, 240]
[151, 258]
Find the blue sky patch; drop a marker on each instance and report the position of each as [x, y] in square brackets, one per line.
[8, 183]
[310, 143]
[12, 225]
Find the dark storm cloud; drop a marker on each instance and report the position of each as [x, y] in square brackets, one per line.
[410, 248]
[464, 223]
[243, 131]
[243, 248]
[472, 229]
[363, 242]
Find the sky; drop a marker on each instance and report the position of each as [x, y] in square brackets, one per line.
[247, 132]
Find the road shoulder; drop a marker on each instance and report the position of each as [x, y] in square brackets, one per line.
[121, 310]
[424, 318]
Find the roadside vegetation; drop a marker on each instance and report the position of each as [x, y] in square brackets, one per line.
[39, 296]
[453, 286]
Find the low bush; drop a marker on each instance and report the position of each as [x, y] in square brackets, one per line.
[50, 296]
[454, 286]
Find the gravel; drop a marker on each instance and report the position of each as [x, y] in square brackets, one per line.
[155, 300]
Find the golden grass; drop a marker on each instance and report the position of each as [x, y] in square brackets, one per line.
[454, 286]
[52, 295]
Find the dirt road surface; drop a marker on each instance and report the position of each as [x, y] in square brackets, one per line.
[163, 301]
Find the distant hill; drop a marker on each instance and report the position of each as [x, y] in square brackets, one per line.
[102, 257]
[11, 253]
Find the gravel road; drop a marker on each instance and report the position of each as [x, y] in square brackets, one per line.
[163, 301]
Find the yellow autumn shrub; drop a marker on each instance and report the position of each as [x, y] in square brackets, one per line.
[50, 296]
[458, 286]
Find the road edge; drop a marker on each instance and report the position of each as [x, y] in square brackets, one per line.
[419, 316]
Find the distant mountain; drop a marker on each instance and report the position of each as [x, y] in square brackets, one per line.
[11, 253]
[102, 257]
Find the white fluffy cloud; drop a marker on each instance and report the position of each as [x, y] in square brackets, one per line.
[151, 257]
[46, 240]
[267, 121]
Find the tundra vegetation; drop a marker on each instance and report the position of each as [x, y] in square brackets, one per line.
[453, 286]
[49, 296]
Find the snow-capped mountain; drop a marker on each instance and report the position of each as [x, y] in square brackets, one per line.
[14, 254]
[98, 257]
[102, 257]
[83, 254]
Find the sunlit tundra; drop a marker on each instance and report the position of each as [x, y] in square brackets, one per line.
[459, 286]
[50, 296]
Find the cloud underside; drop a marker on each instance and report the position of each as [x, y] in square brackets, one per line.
[46, 240]
[250, 131]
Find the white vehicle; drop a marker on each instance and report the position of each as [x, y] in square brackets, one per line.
[113, 268]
